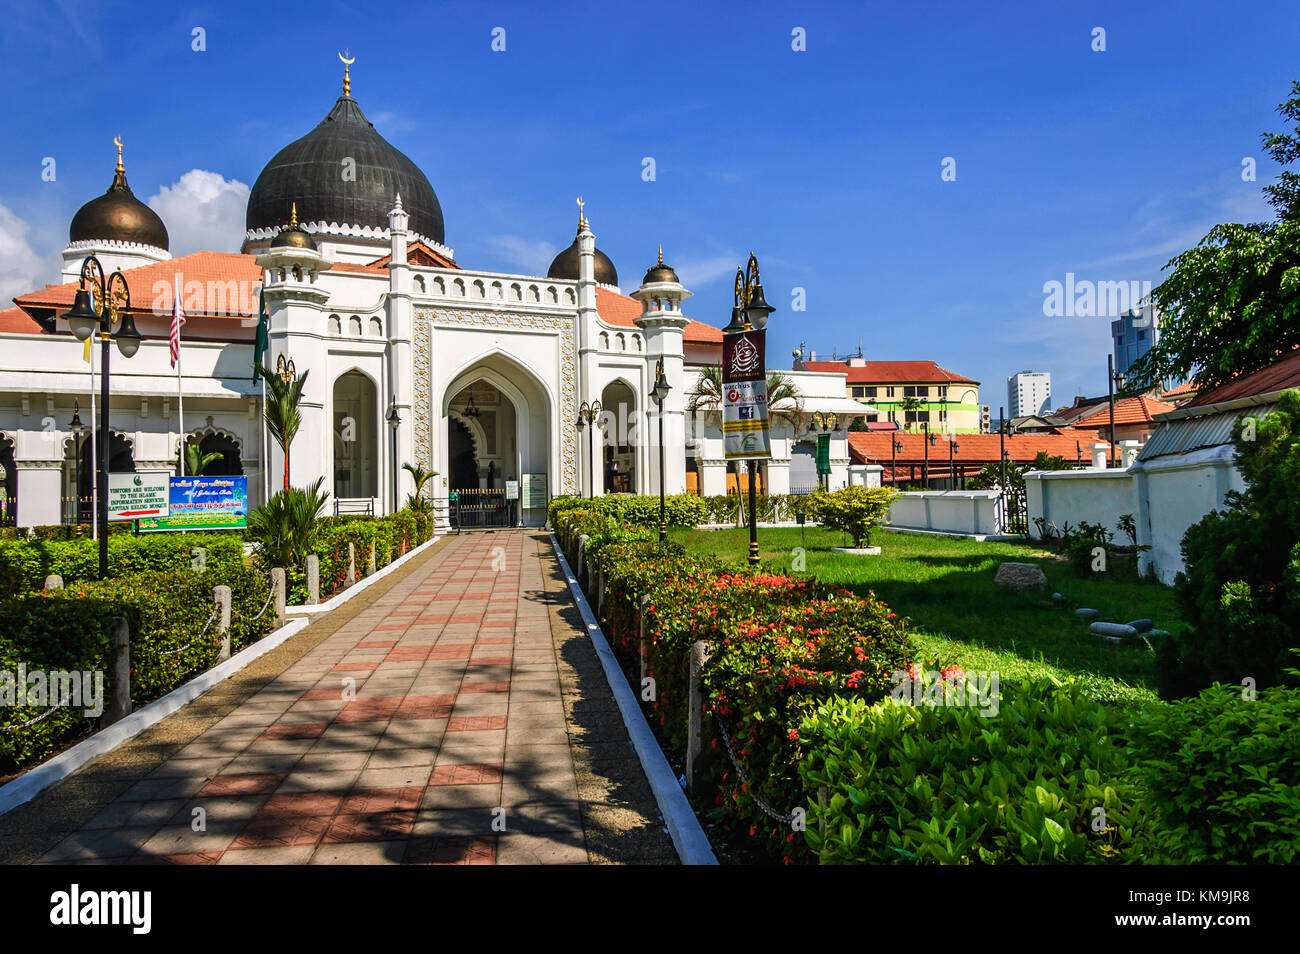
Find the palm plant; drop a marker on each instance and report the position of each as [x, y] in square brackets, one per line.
[282, 414]
[196, 462]
[909, 404]
[783, 397]
[286, 525]
[417, 501]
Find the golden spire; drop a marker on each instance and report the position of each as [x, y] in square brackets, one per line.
[117, 141]
[582, 221]
[293, 215]
[661, 253]
[347, 79]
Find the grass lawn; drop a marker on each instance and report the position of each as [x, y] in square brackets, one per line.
[944, 587]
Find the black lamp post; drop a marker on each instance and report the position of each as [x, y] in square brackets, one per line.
[749, 312]
[394, 421]
[1113, 379]
[588, 415]
[952, 466]
[895, 446]
[76, 427]
[660, 394]
[925, 446]
[113, 299]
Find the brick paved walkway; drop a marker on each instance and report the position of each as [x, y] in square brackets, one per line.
[430, 728]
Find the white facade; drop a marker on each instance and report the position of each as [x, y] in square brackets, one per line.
[1029, 393]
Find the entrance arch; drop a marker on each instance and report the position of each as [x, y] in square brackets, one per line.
[620, 445]
[356, 437]
[497, 429]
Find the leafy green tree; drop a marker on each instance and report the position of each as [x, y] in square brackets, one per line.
[854, 510]
[1240, 590]
[282, 415]
[420, 476]
[1232, 304]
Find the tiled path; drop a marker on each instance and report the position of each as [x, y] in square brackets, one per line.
[429, 728]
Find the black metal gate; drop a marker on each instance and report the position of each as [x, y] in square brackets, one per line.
[481, 508]
[1015, 510]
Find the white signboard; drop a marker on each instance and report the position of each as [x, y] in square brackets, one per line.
[133, 496]
[512, 490]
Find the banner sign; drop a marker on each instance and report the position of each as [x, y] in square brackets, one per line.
[203, 503]
[744, 396]
[823, 455]
[137, 496]
[534, 491]
[512, 490]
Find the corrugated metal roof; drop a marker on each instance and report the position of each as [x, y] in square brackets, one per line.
[1193, 433]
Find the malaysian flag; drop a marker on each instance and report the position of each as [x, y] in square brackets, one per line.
[178, 319]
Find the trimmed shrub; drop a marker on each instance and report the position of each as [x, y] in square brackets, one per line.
[853, 510]
[1222, 775]
[940, 784]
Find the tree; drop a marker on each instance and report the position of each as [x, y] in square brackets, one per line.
[196, 462]
[854, 510]
[909, 404]
[990, 475]
[1240, 589]
[282, 415]
[420, 476]
[1232, 304]
[783, 396]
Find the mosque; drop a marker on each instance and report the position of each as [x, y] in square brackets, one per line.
[409, 356]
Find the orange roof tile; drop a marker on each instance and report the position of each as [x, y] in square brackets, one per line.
[616, 309]
[419, 254]
[1281, 374]
[891, 372]
[151, 286]
[1130, 410]
[873, 447]
[17, 321]
[1187, 387]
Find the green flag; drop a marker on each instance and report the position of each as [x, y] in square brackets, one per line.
[263, 332]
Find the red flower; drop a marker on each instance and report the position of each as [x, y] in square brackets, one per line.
[794, 735]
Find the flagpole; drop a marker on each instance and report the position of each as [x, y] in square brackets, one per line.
[94, 471]
[180, 385]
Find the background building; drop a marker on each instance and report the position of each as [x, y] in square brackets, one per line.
[1133, 335]
[1029, 393]
[947, 401]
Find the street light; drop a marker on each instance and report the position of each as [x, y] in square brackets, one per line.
[114, 300]
[926, 444]
[394, 421]
[588, 414]
[952, 467]
[76, 427]
[895, 446]
[660, 394]
[1113, 379]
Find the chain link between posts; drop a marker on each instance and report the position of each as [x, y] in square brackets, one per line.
[269, 596]
[740, 773]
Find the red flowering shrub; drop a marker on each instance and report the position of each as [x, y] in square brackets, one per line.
[781, 645]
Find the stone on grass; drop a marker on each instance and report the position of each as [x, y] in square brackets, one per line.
[1058, 597]
[1142, 625]
[1020, 577]
[1086, 614]
[857, 551]
[1115, 632]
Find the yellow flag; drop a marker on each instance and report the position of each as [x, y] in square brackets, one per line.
[85, 351]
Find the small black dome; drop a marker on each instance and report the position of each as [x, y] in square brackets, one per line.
[309, 171]
[565, 265]
[118, 216]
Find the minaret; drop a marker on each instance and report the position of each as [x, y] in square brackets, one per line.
[661, 295]
[401, 394]
[295, 304]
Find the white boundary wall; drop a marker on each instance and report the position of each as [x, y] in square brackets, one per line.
[1165, 495]
[949, 511]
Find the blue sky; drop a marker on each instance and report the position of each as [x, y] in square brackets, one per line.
[825, 162]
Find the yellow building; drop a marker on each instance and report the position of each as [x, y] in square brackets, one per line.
[949, 402]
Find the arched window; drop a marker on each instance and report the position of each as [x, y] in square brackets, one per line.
[356, 445]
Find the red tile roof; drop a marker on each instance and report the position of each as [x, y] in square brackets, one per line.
[616, 309]
[892, 372]
[1187, 387]
[869, 447]
[1130, 410]
[420, 255]
[151, 286]
[17, 321]
[1281, 374]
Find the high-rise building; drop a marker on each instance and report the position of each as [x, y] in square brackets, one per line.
[1029, 392]
[1133, 335]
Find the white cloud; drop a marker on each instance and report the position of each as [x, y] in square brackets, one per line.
[22, 269]
[202, 211]
[697, 272]
[533, 257]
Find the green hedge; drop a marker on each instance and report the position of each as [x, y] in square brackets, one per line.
[682, 510]
[392, 536]
[24, 564]
[780, 646]
[70, 629]
[1046, 779]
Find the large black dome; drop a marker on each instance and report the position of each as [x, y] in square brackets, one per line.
[310, 172]
[118, 216]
